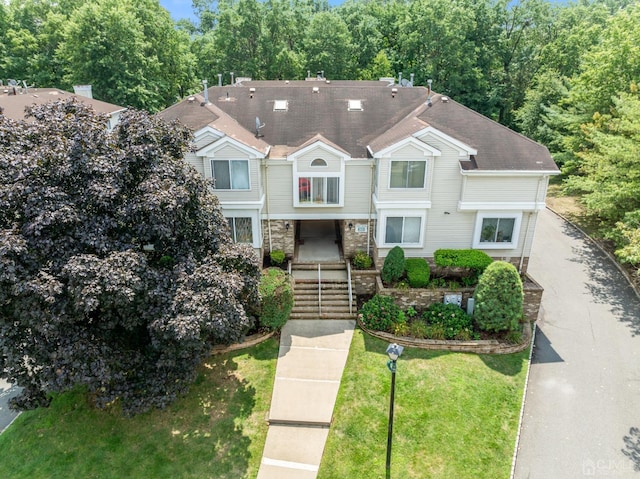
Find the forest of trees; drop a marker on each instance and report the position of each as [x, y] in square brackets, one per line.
[565, 75]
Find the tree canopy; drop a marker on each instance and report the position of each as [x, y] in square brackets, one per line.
[117, 271]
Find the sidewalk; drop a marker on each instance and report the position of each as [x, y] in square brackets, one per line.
[311, 360]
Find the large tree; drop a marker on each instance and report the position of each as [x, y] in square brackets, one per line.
[117, 271]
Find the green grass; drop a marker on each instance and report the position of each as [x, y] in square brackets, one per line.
[456, 415]
[217, 430]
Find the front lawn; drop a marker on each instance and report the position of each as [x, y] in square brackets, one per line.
[456, 415]
[216, 431]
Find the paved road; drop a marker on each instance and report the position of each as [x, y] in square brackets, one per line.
[6, 415]
[584, 386]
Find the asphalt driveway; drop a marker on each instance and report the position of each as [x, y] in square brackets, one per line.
[7, 391]
[583, 400]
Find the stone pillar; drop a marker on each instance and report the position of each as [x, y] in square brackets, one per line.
[354, 238]
[282, 238]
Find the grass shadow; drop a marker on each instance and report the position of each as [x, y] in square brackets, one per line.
[632, 447]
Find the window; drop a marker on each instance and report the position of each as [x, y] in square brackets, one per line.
[402, 230]
[354, 105]
[497, 231]
[241, 229]
[319, 190]
[280, 105]
[318, 162]
[230, 174]
[407, 174]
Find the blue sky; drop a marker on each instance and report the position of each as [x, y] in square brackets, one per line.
[179, 8]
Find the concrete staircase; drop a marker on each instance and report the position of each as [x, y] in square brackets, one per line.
[333, 301]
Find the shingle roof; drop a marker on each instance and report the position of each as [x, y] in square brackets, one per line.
[385, 119]
[13, 105]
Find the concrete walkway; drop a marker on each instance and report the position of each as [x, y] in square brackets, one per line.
[7, 416]
[584, 384]
[311, 360]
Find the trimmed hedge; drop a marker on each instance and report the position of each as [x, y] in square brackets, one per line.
[276, 298]
[393, 267]
[462, 258]
[499, 298]
[277, 256]
[418, 272]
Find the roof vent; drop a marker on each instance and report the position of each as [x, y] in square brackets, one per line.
[393, 92]
[252, 90]
[316, 89]
[191, 99]
[445, 99]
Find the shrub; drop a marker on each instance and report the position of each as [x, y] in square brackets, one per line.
[362, 260]
[276, 297]
[379, 313]
[277, 257]
[393, 267]
[418, 272]
[451, 317]
[419, 329]
[462, 258]
[499, 298]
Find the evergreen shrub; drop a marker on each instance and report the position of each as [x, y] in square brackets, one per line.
[276, 295]
[380, 313]
[393, 267]
[362, 260]
[499, 298]
[277, 257]
[454, 320]
[418, 272]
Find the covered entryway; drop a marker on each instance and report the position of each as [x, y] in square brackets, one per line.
[317, 241]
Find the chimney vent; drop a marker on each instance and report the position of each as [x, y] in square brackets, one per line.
[400, 78]
[83, 90]
[219, 79]
[232, 74]
[206, 92]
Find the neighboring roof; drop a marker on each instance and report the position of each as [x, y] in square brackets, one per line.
[390, 113]
[13, 105]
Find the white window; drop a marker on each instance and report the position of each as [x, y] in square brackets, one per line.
[402, 230]
[241, 229]
[230, 174]
[497, 230]
[319, 190]
[318, 162]
[407, 174]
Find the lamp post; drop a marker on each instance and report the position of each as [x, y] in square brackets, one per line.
[393, 351]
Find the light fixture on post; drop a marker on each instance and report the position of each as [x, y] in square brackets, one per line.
[394, 351]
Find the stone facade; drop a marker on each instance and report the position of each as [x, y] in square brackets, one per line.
[364, 281]
[282, 238]
[354, 238]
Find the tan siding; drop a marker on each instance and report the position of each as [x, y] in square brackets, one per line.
[195, 161]
[229, 152]
[501, 189]
[303, 163]
[254, 194]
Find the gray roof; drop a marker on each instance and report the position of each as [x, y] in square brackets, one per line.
[384, 119]
[13, 105]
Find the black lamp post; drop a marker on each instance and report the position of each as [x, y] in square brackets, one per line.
[393, 351]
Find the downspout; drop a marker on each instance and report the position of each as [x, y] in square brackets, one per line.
[266, 192]
[526, 232]
[370, 207]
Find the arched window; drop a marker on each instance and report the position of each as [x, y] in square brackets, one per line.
[318, 162]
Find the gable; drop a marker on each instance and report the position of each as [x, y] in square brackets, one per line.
[229, 148]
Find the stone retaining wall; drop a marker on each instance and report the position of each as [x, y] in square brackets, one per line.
[421, 298]
[491, 346]
[364, 281]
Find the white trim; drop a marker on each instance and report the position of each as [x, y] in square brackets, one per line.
[397, 205]
[382, 228]
[464, 150]
[312, 204]
[317, 216]
[252, 153]
[408, 188]
[488, 205]
[243, 204]
[197, 136]
[427, 150]
[508, 172]
[228, 160]
[321, 145]
[481, 215]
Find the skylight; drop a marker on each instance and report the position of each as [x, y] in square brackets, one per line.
[355, 105]
[280, 105]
